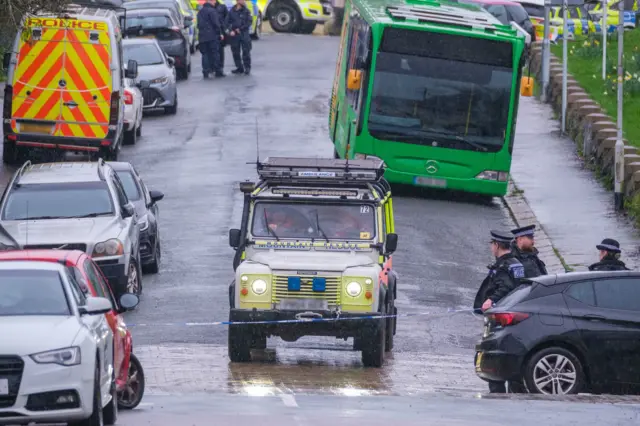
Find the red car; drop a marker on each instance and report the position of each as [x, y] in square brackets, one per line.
[129, 374]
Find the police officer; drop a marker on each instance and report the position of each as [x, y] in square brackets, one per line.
[523, 249]
[609, 257]
[209, 36]
[223, 12]
[504, 276]
[239, 22]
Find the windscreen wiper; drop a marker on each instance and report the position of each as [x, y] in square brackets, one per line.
[90, 215]
[44, 217]
[266, 224]
[320, 229]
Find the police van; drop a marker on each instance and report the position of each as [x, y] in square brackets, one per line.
[315, 242]
[65, 85]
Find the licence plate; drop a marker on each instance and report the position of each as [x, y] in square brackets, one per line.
[35, 128]
[148, 36]
[425, 181]
[303, 304]
[4, 386]
[478, 360]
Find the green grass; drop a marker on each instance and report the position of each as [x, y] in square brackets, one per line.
[583, 70]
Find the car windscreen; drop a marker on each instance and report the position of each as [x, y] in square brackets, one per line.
[130, 185]
[314, 221]
[58, 201]
[143, 53]
[32, 292]
[517, 295]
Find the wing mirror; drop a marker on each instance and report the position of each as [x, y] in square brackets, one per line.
[391, 244]
[95, 306]
[6, 60]
[132, 69]
[128, 210]
[171, 61]
[234, 238]
[128, 302]
[155, 196]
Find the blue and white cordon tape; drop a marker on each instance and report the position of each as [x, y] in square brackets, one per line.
[305, 320]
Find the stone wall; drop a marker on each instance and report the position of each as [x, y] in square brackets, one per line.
[587, 124]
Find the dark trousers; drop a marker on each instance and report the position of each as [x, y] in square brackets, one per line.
[210, 51]
[222, 46]
[241, 43]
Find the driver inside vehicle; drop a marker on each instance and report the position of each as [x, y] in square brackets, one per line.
[286, 222]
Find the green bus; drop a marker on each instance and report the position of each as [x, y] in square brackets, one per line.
[432, 89]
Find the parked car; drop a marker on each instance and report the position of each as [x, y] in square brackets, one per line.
[76, 206]
[162, 24]
[146, 204]
[133, 110]
[566, 333]
[158, 69]
[507, 12]
[57, 348]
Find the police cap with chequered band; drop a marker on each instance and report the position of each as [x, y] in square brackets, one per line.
[501, 237]
[525, 231]
[609, 244]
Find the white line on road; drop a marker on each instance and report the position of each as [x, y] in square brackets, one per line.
[289, 400]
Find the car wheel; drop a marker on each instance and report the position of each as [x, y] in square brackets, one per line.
[284, 18]
[154, 266]
[139, 129]
[258, 31]
[130, 137]
[173, 109]
[132, 394]
[134, 285]
[307, 27]
[239, 345]
[110, 411]
[95, 419]
[554, 371]
[373, 347]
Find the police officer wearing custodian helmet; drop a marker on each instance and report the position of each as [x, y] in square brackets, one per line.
[504, 276]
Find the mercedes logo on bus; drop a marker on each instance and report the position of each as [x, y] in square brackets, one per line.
[431, 166]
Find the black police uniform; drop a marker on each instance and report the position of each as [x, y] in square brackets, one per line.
[504, 276]
[533, 266]
[609, 262]
[239, 20]
[223, 11]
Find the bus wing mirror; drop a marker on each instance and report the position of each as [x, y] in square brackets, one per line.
[354, 79]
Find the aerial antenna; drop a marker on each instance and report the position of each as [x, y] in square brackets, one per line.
[26, 238]
[257, 145]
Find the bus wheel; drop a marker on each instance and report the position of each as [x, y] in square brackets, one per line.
[283, 17]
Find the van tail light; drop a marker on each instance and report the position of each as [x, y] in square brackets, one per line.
[505, 319]
[128, 97]
[115, 108]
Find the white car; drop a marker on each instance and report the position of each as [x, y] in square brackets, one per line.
[56, 348]
[132, 112]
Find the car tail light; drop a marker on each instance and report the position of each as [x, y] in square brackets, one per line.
[505, 319]
[115, 108]
[128, 97]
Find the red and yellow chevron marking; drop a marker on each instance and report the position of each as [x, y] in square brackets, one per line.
[79, 108]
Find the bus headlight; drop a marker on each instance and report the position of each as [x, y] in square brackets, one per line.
[493, 175]
[259, 286]
[354, 289]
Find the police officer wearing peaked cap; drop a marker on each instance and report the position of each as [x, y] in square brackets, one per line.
[609, 257]
[523, 249]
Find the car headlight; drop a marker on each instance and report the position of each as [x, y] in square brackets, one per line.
[112, 247]
[259, 286]
[160, 80]
[66, 357]
[354, 289]
[144, 224]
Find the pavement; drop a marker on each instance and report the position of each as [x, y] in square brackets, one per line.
[197, 158]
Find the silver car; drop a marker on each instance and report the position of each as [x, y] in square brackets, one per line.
[155, 67]
[76, 206]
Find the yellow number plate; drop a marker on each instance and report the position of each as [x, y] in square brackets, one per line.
[35, 128]
[148, 36]
[478, 360]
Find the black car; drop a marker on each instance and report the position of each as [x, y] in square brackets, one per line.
[146, 205]
[506, 12]
[564, 334]
[164, 25]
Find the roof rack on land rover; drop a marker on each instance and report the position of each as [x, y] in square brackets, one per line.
[320, 169]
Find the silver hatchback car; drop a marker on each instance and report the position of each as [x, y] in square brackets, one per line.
[158, 69]
[76, 206]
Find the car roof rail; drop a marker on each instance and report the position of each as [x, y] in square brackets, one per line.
[101, 165]
[316, 170]
[21, 171]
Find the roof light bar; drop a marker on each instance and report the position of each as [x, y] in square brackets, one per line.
[320, 169]
[320, 192]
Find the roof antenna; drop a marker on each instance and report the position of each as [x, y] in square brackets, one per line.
[257, 145]
[26, 238]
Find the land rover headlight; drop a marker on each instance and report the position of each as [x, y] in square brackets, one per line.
[259, 286]
[354, 289]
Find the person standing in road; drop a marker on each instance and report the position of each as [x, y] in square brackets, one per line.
[609, 257]
[523, 249]
[223, 12]
[504, 276]
[239, 22]
[210, 36]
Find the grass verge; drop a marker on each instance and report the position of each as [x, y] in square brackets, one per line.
[565, 265]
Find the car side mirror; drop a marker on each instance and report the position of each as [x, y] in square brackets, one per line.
[95, 306]
[128, 302]
[132, 69]
[128, 210]
[171, 61]
[391, 244]
[234, 238]
[6, 60]
[354, 79]
[155, 196]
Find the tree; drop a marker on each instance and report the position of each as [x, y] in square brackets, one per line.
[12, 11]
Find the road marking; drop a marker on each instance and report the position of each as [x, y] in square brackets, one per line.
[289, 400]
